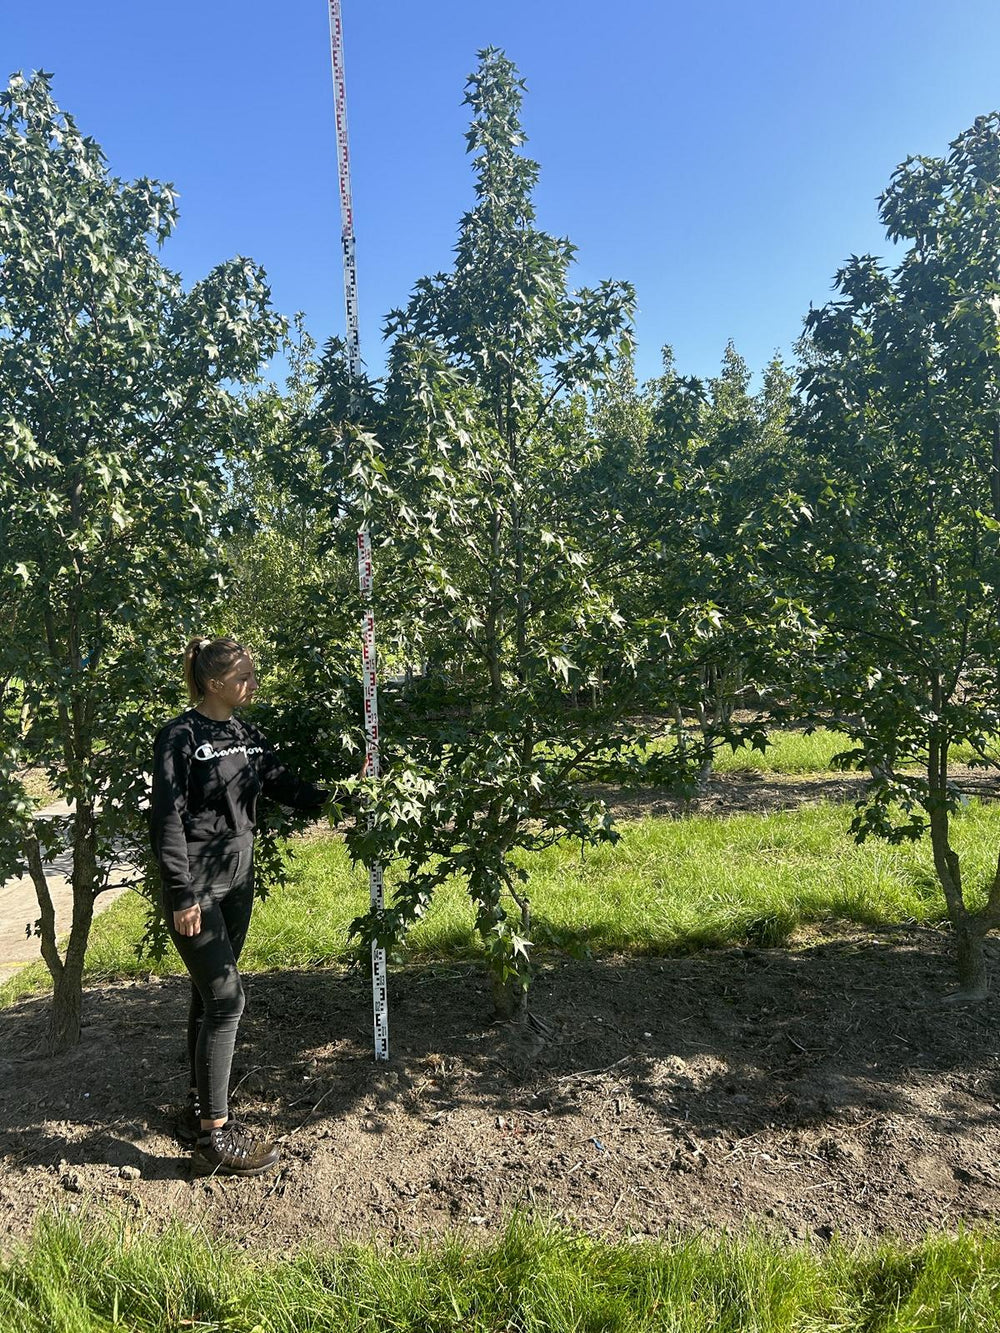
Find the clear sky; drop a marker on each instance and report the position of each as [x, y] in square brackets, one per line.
[724, 157]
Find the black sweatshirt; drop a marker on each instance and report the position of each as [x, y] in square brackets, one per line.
[207, 776]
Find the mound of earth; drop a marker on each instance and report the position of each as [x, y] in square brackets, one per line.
[816, 1089]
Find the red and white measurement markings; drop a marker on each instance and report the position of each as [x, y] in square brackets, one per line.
[380, 996]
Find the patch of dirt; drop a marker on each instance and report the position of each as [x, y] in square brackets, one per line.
[752, 792]
[816, 1089]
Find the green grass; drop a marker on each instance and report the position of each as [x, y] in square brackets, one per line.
[79, 1277]
[790, 752]
[669, 885]
[795, 753]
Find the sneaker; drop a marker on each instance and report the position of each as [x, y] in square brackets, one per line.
[233, 1150]
[187, 1122]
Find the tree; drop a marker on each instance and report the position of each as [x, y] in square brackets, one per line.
[898, 513]
[676, 486]
[276, 545]
[480, 579]
[719, 453]
[117, 407]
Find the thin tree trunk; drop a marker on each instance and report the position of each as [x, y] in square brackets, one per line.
[969, 930]
[492, 628]
[67, 973]
[510, 994]
[705, 723]
[66, 1012]
[681, 730]
[510, 999]
[970, 956]
[66, 1016]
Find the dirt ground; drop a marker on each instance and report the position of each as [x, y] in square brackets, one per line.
[814, 1089]
[819, 1088]
[751, 792]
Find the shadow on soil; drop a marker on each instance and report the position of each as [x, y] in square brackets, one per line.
[724, 1043]
[749, 791]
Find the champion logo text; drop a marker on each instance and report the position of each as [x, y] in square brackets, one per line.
[207, 752]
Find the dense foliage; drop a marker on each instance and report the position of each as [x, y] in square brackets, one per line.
[115, 412]
[897, 547]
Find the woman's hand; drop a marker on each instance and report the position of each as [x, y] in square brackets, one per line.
[188, 922]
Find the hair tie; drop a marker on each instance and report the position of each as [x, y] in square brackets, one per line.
[204, 644]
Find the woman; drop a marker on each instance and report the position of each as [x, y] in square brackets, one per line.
[209, 767]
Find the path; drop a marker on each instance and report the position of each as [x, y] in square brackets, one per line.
[19, 906]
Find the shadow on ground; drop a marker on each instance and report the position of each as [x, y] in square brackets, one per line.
[824, 1087]
[747, 791]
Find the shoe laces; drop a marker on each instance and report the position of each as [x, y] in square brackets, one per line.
[235, 1139]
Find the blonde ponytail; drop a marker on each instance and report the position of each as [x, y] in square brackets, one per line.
[208, 659]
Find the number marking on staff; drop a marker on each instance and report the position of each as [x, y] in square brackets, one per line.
[376, 880]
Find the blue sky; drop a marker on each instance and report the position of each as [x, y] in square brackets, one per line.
[724, 157]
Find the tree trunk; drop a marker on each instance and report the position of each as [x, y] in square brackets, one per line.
[67, 973]
[47, 915]
[680, 730]
[971, 959]
[720, 686]
[67, 1004]
[510, 999]
[969, 931]
[492, 626]
[67, 995]
[510, 996]
[705, 727]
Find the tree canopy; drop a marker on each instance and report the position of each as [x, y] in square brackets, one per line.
[577, 576]
[898, 542]
[116, 408]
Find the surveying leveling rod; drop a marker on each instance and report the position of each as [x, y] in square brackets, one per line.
[380, 997]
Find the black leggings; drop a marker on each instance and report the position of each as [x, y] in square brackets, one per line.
[222, 878]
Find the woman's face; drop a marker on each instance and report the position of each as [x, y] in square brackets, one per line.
[237, 687]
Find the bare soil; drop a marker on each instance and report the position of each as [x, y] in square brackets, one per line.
[748, 791]
[815, 1089]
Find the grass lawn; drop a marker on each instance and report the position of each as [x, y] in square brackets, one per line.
[793, 753]
[669, 885]
[96, 1278]
[37, 786]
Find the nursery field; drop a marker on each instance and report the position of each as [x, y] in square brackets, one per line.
[708, 1089]
[743, 1023]
[619, 626]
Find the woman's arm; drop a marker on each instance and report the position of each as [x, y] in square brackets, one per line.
[281, 784]
[171, 766]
